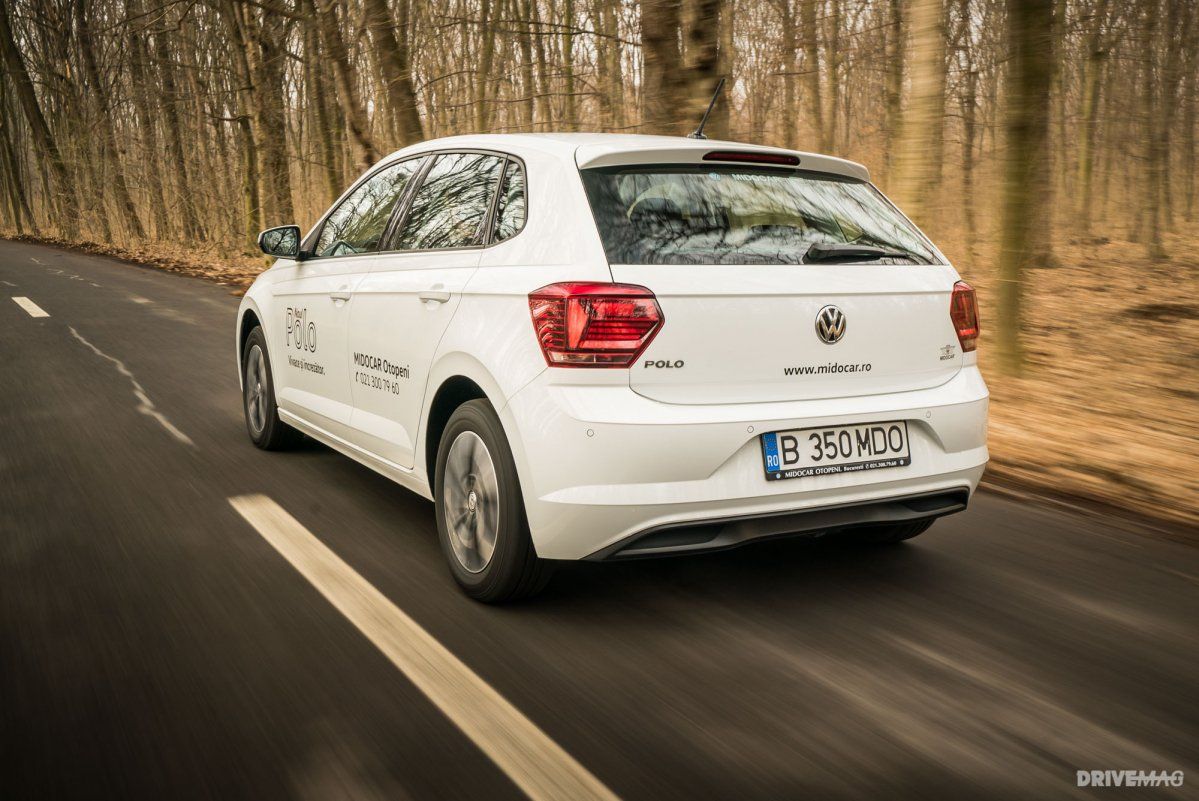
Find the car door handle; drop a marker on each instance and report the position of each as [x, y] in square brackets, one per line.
[435, 295]
[339, 296]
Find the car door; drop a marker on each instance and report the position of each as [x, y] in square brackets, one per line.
[404, 304]
[314, 298]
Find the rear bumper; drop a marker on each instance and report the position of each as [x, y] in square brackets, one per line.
[601, 466]
[722, 533]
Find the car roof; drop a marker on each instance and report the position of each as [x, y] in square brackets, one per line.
[608, 149]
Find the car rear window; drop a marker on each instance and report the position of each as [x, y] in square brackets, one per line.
[702, 214]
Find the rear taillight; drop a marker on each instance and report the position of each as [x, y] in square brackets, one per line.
[580, 324]
[963, 310]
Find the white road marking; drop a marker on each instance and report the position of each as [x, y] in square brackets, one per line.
[534, 762]
[31, 307]
[144, 404]
[47, 266]
[139, 299]
[59, 272]
[7, 283]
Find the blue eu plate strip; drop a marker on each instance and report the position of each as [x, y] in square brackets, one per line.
[770, 443]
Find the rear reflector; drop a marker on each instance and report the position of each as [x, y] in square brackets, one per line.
[963, 310]
[582, 324]
[750, 157]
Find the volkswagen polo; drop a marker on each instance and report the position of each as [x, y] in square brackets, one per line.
[594, 346]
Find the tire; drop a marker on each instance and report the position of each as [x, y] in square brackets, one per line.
[481, 519]
[265, 428]
[891, 534]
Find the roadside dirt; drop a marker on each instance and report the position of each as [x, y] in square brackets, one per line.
[237, 272]
[1108, 410]
[1107, 413]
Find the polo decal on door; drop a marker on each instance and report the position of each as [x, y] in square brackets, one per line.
[301, 336]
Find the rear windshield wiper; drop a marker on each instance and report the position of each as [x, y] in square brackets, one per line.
[833, 251]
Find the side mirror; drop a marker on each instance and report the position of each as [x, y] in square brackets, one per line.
[282, 242]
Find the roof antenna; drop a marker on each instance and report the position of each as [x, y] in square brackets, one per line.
[698, 133]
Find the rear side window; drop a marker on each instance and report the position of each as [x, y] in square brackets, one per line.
[692, 214]
[357, 225]
[512, 208]
[451, 204]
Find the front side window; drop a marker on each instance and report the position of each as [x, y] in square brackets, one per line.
[358, 224]
[512, 208]
[693, 214]
[451, 204]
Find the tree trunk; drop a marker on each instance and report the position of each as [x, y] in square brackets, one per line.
[1026, 126]
[322, 129]
[481, 100]
[65, 199]
[1092, 83]
[895, 52]
[703, 62]
[598, 10]
[108, 137]
[571, 121]
[390, 38]
[969, 132]
[528, 86]
[251, 192]
[811, 49]
[790, 75]
[1155, 139]
[139, 84]
[346, 77]
[16, 192]
[266, 49]
[1177, 36]
[662, 88]
[917, 180]
[828, 137]
[721, 123]
[1188, 122]
[174, 143]
[533, 14]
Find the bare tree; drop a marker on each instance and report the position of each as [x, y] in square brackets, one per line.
[346, 77]
[44, 142]
[1026, 128]
[662, 86]
[918, 154]
[391, 39]
[199, 123]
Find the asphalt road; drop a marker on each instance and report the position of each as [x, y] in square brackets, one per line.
[154, 645]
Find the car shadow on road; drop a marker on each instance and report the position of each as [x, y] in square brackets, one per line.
[830, 565]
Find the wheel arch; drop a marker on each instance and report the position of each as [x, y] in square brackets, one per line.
[249, 321]
[248, 317]
[459, 378]
[453, 392]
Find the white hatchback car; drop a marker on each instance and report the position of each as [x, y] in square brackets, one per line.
[594, 346]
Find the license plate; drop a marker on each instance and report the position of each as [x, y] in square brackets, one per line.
[838, 449]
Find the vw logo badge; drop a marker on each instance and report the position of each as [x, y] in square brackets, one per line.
[830, 325]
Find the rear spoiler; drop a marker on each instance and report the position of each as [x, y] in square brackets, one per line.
[703, 152]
